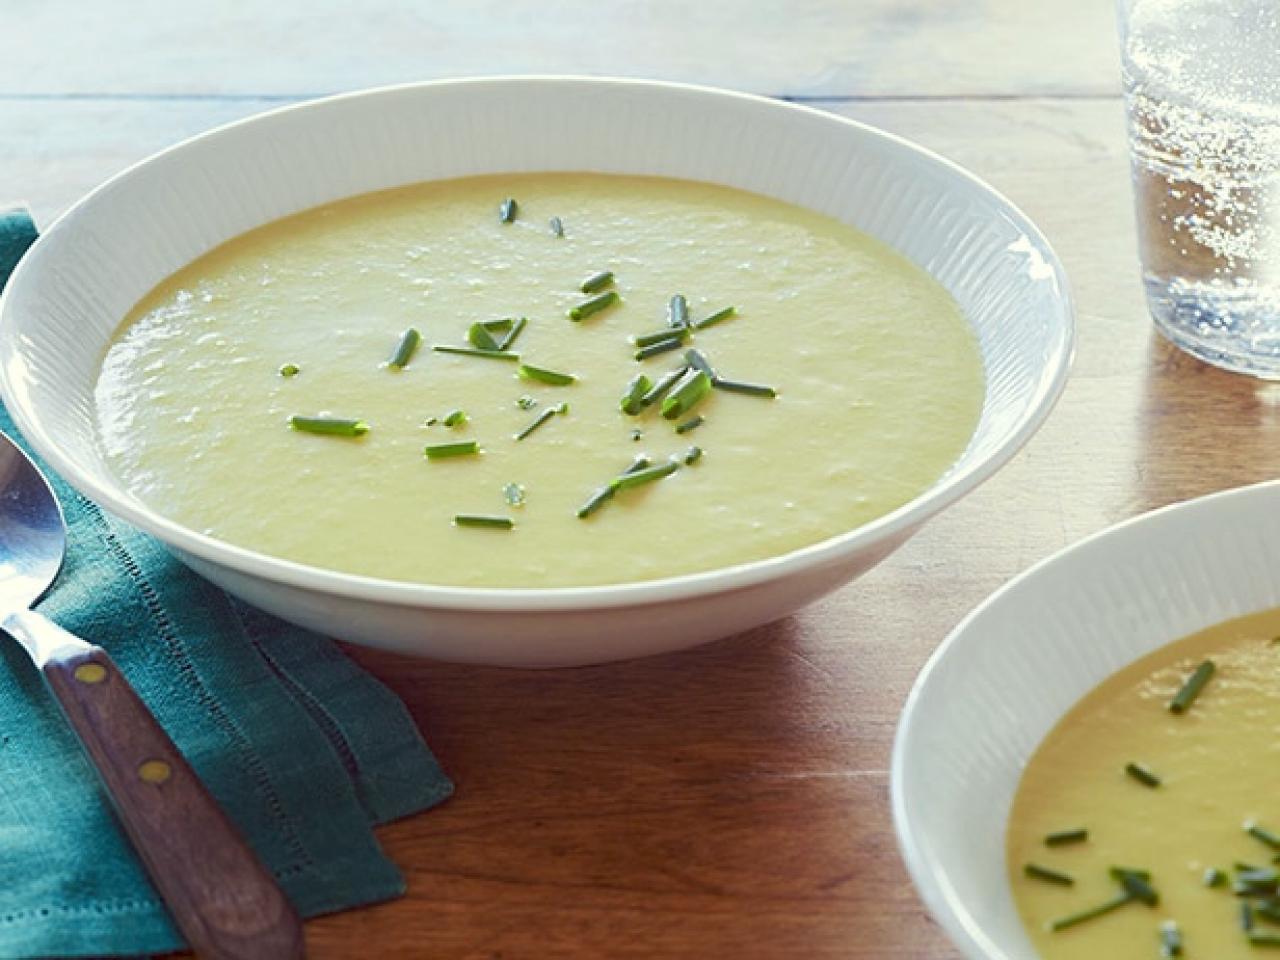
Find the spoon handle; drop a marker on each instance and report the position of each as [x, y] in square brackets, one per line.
[221, 897]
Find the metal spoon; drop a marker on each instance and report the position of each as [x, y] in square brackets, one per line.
[221, 897]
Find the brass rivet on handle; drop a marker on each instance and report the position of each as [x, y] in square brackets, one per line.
[90, 672]
[154, 771]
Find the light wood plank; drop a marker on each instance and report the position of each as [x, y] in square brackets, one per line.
[804, 47]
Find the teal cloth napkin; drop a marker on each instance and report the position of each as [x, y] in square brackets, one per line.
[304, 750]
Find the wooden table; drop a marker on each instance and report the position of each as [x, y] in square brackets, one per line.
[731, 801]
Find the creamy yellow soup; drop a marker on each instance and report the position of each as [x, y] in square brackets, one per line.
[1216, 763]
[878, 382]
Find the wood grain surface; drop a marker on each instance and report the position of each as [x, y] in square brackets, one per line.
[731, 801]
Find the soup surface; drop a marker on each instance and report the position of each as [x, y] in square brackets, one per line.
[878, 382]
[1216, 765]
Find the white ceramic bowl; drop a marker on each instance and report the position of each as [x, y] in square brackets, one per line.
[1014, 667]
[84, 274]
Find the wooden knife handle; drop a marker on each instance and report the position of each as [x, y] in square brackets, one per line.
[220, 895]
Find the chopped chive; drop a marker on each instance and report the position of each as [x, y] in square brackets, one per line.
[1268, 910]
[678, 311]
[516, 329]
[1191, 689]
[1142, 774]
[482, 520]
[507, 210]
[1119, 873]
[430, 421]
[639, 478]
[1251, 882]
[557, 227]
[455, 418]
[1213, 877]
[329, 426]
[1260, 939]
[471, 352]
[1091, 913]
[637, 435]
[673, 342]
[290, 370]
[545, 376]
[632, 399]
[504, 323]
[1139, 889]
[441, 451]
[693, 455]
[662, 385]
[1037, 872]
[639, 463]
[1246, 917]
[1061, 837]
[691, 424]
[513, 493]
[686, 394]
[1252, 828]
[1170, 940]
[526, 402]
[540, 419]
[594, 305]
[750, 389]
[1242, 867]
[597, 281]
[605, 494]
[480, 338]
[696, 359]
[660, 336]
[715, 318]
[405, 349]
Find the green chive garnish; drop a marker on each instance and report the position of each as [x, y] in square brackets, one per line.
[516, 329]
[557, 228]
[1259, 939]
[1119, 873]
[542, 418]
[1252, 882]
[678, 311]
[1213, 877]
[605, 494]
[632, 401]
[1091, 913]
[1170, 940]
[1242, 867]
[483, 520]
[693, 455]
[507, 210]
[1252, 828]
[526, 402]
[715, 318]
[661, 336]
[594, 305]
[470, 352]
[640, 477]
[1143, 775]
[691, 424]
[502, 323]
[430, 421]
[480, 338]
[673, 342]
[662, 385]
[441, 451]
[1191, 689]
[455, 418]
[1037, 872]
[513, 493]
[1269, 910]
[290, 370]
[405, 349]
[545, 376]
[1061, 837]
[329, 426]
[698, 361]
[750, 389]
[637, 435]
[686, 394]
[1138, 888]
[597, 281]
[1246, 917]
